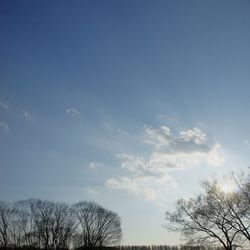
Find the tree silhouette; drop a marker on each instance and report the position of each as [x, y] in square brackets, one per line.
[5, 217]
[98, 226]
[240, 208]
[36, 223]
[213, 217]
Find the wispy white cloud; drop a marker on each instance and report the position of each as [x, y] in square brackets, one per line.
[186, 148]
[92, 190]
[194, 135]
[27, 115]
[166, 118]
[122, 132]
[149, 186]
[131, 162]
[159, 136]
[108, 123]
[141, 179]
[170, 151]
[72, 112]
[4, 106]
[95, 165]
[4, 127]
[92, 165]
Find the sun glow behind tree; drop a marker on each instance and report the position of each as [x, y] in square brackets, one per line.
[217, 216]
[228, 186]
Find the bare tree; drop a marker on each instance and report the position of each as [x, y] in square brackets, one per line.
[64, 225]
[5, 216]
[55, 223]
[239, 205]
[99, 226]
[42, 213]
[25, 222]
[15, 232]
[236, 203]
[42, 223]
[52, 225]
[207, 218]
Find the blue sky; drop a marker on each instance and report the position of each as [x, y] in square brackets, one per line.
[128, 103]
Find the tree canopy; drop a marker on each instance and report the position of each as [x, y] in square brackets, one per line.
[53, 225]
[215, 216]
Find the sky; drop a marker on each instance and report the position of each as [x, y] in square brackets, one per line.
[127, 103]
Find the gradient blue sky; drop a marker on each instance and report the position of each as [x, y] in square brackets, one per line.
[128, 103]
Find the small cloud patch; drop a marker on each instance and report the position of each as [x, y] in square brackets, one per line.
[4, 127]
[4, 106]
[95, 165]
[27, 115]
[73, 112]
[91, 190]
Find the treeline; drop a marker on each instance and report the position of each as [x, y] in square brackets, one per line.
[136, 247]
[42, 224]
[168, 247]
